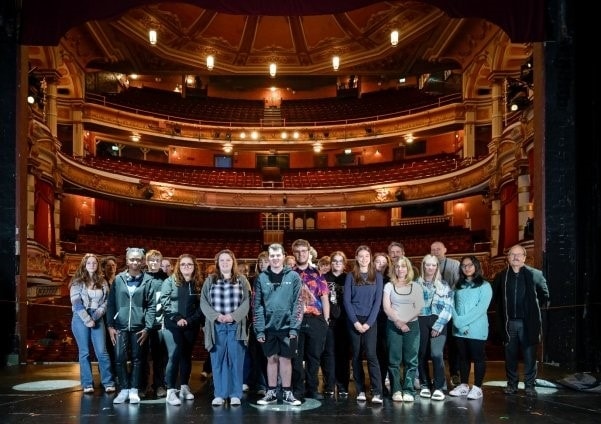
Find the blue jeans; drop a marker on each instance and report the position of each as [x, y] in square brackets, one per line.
[512, 352]
[227, 359]
[97, 335]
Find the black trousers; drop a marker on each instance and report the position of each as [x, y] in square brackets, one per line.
[311, 341]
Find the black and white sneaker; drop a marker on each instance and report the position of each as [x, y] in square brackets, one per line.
[270, 397]
[290, 399]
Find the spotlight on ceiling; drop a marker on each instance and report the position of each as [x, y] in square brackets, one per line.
[152, 37]
[336, 62]
[394, 38]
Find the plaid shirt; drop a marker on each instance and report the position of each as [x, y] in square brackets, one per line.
[438, 301]
[226, 296]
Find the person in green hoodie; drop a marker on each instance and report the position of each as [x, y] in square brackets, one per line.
[277, 317]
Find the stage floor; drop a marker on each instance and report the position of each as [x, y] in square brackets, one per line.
[50, 393]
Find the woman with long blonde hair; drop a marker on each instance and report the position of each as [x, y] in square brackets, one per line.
[433, 320]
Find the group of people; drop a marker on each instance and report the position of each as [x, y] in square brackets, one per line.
[300, 314]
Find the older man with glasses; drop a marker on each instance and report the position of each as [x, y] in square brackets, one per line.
[519, 292]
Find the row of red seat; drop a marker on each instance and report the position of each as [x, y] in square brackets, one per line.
[385, 102]
[291, 178]
[216, 110]
[248, 245]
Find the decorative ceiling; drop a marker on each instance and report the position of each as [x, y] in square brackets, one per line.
[245, 44]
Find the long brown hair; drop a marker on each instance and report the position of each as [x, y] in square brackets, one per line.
[177, 275]
[371, 269]
[82, 276]
[218, 274]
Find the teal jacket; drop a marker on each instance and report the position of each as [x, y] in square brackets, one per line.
[470, 313]
[277, 307]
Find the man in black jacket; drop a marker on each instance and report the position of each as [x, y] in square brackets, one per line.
[519, 293]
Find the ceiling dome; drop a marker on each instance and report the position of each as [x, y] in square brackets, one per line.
[247, 44]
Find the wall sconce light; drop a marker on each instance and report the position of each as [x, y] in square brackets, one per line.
[152, 36]
[210, 62]
[254, 135]
[135, 137]
[273, 69]
[335, 62]
[348, 151]
[317, 147]
[284, 135]
[394, 38]
[30, 99]
[295, 134]
[228, 147]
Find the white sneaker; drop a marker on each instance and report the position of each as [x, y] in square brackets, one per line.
[425, 393]
[377, 399]
[122, 396]
[218, 401]
[475, 393]
[397, 396]
[245, 388]
[461, 390]
[437, 395]
[133, 396]
[235, 401]
[185, 392]
[361, 397]
[172, 398]
[408, 397]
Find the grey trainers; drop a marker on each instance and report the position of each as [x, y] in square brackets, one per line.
[270, 397]
[134, 397]
[290, 399]
[122, 396]
[185, 392]
[172, 398]
[475, 393]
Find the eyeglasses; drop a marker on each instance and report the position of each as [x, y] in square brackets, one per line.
[467, 266]
[186, 265]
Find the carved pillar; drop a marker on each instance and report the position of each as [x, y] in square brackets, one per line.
[495, 227]
[498, 112]
[343, 219]
[469, 132]
[57, 223]
[524, 204]
[30, 206]
[395, 216]
[78, 145]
